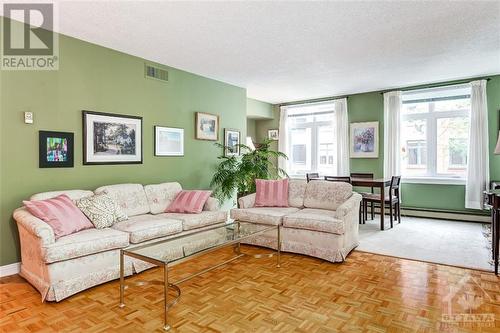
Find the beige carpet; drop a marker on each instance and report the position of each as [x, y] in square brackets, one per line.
[453, 243]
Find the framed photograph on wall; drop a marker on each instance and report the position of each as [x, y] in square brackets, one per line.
[55, 149]
[207, 126]
[273, 134]
[232, 139]
[111, 138]
[169, 141]
[364, 140]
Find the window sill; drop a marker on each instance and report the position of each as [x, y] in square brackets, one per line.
[434, 181]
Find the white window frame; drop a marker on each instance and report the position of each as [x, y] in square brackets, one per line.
[431, 119]
[314, 126]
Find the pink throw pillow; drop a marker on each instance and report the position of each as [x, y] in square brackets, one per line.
[60, 213]
[271, 193]
[189, 202]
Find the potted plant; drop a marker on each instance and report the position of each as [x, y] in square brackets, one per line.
[237, 174]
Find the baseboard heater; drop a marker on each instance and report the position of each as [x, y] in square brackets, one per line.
[440, 214]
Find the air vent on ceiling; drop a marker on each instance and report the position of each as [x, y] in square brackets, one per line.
[156, 73]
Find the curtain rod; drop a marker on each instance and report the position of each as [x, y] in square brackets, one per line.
[436, 85]
[312, 101]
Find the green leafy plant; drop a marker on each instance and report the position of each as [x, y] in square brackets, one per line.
[238, 173]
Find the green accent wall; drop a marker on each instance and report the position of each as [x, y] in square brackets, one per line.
[251, 130]
[259, 110]
[370, 107]
[91, 77]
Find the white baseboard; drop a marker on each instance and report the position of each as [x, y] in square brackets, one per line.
[11, 269]
[456, 216]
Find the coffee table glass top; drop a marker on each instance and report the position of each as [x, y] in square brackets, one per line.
[177, 248]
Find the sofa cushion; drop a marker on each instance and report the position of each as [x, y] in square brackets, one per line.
[296, 192]
[85, 242]
[193, 221]
[160, 196]
[72, 194]
[131, 197]
[101, 210]
[315, 219]
[190, 202]
[145, 227]
[324, 194]
[60, 213]
[264, 215]
[271, 193]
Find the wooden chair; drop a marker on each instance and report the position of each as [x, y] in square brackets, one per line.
[338, 179]
[312, 176]
[365, 175]
[392, 200]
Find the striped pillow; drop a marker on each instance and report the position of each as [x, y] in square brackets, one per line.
[271, 193]
[60, 213]
[189, 202]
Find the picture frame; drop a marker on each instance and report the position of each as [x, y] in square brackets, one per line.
[206, 126]
[273, 134]
[168, 141]
[111, 138]
[55, 149]
[364, 139]
[232, 140]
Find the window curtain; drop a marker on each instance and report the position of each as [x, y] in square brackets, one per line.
[342, 136]
[283, 138]
[392, 123]
[478, 171]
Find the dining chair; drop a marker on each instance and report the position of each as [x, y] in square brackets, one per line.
[392, 199]
[346, 179]
[364, 175]
[312, 176]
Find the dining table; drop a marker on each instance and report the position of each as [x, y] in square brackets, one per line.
[380, 183]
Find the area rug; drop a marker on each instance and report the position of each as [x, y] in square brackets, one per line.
[463, 244]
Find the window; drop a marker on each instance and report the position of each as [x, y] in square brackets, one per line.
[311, 138]
[435, 133]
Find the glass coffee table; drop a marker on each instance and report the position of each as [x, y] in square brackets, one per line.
[168, 252]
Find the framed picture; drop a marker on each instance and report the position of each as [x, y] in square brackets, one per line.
[111, 138]
[364, 140]
[232, 139]
[55, 149]
[273, 134]
[169, 141]
[207, 126]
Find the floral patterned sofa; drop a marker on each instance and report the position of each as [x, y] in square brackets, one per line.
[63, 267]
[321, 220]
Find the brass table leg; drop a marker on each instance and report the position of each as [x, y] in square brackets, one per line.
[166, 326]
[278, 255]
[122, 278]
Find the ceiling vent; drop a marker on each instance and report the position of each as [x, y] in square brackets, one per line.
[155, 73]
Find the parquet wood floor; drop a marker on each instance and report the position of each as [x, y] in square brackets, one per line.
[368, 293]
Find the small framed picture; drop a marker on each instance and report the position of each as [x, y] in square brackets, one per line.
[111, 138]
[273, 134]
[231, 142]
[364, 140]
[55, 149]
[207, 126]
[169, 141]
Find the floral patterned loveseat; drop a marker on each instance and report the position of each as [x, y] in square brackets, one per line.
[321, 220]
[63, 267]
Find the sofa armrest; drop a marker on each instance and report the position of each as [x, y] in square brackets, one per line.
[211, 205]
[349, 205]
[248, 201]
[35, 226]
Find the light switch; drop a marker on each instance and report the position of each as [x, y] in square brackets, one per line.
[28, 117]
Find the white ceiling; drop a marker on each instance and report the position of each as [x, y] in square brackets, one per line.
[285, 51]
